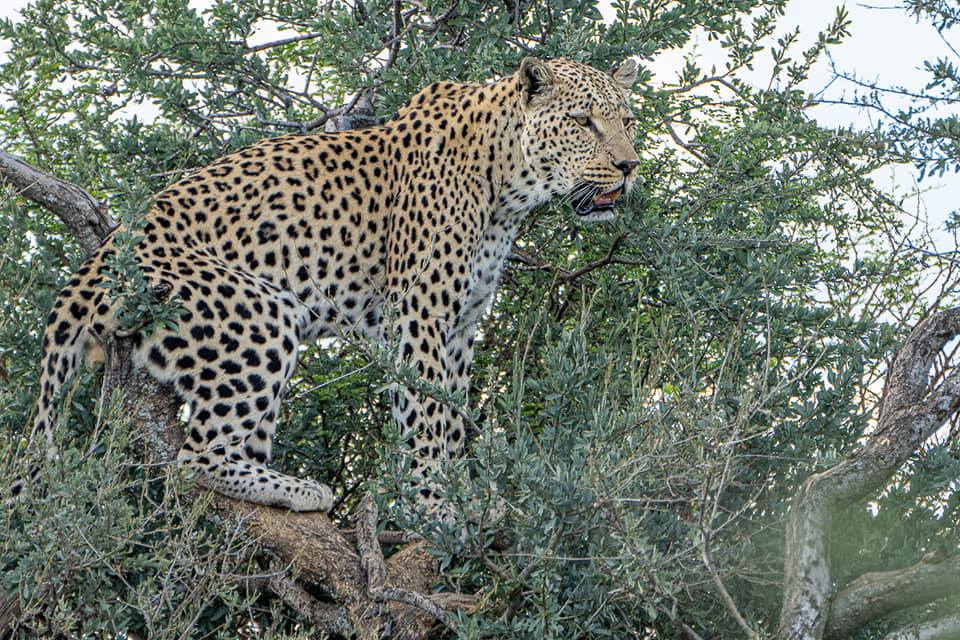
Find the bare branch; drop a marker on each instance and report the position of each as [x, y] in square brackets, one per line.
[521, 255]
[281, 42]
[602, 262]
[396, 35]
[371, 556]
[88, 220]
[944, 629]
[387, 536]
[10, 610]
[725, 596]
[417, 600]
[689, 148]
[874, 595]
[687, 630]
[371, 559]
[325, 616]
[722, 80]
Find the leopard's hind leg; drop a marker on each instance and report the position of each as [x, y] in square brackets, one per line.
[230, 360]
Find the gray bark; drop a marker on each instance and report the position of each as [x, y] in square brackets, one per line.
[911, 411]
[88, 220]
[874, 595]
[945, 629]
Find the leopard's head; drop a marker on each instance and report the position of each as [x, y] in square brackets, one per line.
[578, 131]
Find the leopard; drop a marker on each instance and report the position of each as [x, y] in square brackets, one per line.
[398, 231]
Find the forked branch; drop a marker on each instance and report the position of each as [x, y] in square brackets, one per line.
[913, 408]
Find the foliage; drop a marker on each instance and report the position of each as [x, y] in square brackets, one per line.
[645, 420]
[102, 549]
[919, 123]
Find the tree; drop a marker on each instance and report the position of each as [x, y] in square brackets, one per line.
[652, 392]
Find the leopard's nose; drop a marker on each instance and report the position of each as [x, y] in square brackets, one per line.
[626, 166]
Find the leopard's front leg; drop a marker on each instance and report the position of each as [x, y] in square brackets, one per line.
[429, 286]
[422, 417]
[486, 268]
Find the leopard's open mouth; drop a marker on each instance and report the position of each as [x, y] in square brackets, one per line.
[586, 204]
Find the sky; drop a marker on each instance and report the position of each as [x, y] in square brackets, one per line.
[885, 45]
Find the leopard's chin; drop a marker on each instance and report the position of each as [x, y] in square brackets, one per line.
[598, 215]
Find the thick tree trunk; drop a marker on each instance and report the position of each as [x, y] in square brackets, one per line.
[912, 410]
[365, 594]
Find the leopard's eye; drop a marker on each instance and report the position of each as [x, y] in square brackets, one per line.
[581, 119]
[629, 122]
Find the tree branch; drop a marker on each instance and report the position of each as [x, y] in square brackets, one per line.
[322, 615]
[279, 43]
[521, 255]
[88, 220]
[874, 595]
[911, 411]
[943, 629]
[374, 568]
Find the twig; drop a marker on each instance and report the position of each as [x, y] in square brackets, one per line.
[328, 617]
[521, 255]
[417, 600]
[687, 630]
[602, 262]
[516, 598]
[684, 145]
[724, 594]
[708, 80]
[383, 537]
[280, 43]
[371, 560]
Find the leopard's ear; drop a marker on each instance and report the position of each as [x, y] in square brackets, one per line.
[625, 73]
[536, 82]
